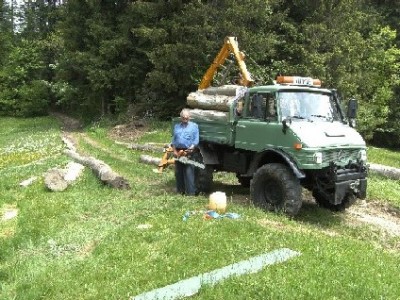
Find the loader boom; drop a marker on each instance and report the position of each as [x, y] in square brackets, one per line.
[230, 46]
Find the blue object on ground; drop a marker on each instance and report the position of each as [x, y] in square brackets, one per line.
[231, 216]
[211, 214]
[186, 216]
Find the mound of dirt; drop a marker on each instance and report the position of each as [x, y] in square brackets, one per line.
[128, 132]
[123, 132]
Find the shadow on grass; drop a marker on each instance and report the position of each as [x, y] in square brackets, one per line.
[311, 213]
[234, 192]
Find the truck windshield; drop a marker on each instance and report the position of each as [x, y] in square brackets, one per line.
[307, 105]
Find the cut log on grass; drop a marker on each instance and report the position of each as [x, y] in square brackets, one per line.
[150, 160]
[54, 180]
[161, 163]
[145, 147]
[101, 170]
[58, 180]
[72, 171]
[28, 181]
[386, 171]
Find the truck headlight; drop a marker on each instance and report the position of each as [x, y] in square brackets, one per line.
[318, 157]
[362, 155]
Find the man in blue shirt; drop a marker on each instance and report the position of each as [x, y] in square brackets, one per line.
[186, 138]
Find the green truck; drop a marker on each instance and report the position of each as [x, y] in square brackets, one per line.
[280, 138]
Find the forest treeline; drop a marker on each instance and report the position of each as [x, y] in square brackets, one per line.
[94, 58]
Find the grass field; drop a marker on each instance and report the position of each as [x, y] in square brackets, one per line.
[94, 242]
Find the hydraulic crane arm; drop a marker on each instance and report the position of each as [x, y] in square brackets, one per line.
[230, 46]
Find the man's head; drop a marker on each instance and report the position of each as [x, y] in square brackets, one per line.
[185, 115]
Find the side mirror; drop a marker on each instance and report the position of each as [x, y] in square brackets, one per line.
[352, 112]
[285, 125]
[352, 109]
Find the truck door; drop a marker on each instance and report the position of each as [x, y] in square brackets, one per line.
[258, 128]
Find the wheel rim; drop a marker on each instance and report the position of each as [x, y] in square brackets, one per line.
[272, 193]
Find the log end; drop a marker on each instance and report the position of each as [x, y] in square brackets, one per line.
[54, 180]
[119, 183]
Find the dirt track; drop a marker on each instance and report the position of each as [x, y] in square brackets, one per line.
[382, 216]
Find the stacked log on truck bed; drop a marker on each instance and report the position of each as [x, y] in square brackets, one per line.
[214, 103]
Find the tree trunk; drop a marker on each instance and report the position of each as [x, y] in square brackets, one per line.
[54, 180]
[386, 171]
[144, 147]
[101, 170]
[150, 160]
[57, 179]
[209, 115]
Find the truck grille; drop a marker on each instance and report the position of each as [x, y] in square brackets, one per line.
[340, 156]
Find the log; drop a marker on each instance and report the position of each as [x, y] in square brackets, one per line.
[54, 180]
[101, 170]
[216, 98]
[215, 102]
[161, 163]
[58, 180]
[228, 90]
[72, 171]
[209, 115]
[150, 160]
[146, 147]
[386, 171]
[28, 181]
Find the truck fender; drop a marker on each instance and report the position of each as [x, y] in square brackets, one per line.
[209, 156]
[258, 158]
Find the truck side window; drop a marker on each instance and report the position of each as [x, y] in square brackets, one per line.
[257, 106]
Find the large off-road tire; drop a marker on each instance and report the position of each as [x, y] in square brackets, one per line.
[204, 179]
[322, 200]
[275, 188]
[244, 180]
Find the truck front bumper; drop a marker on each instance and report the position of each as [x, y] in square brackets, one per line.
[357, 187]
[338, 183]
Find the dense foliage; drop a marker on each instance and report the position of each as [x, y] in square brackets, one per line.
[94, 58]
